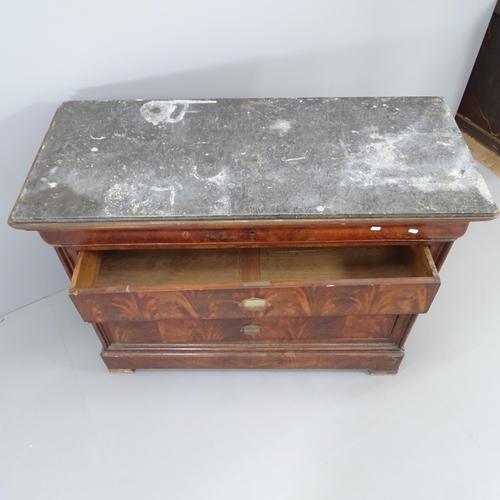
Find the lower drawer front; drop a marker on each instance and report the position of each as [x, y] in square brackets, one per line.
[308, 330]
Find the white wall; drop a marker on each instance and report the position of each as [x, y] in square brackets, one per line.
[55, 50]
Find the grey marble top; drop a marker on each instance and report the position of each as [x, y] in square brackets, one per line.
[329, 158]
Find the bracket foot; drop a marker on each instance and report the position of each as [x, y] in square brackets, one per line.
[382, 372]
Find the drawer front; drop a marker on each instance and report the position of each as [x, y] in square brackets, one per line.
[337, 300]
[303, 330]
[149, 286]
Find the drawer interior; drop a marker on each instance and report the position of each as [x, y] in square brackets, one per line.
[340, 263]
[212, 266]
[156, 267]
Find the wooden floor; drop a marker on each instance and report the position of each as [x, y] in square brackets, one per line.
[483, 155]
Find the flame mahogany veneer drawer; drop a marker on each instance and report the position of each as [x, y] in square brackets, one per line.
[155, 285]
[294, 330]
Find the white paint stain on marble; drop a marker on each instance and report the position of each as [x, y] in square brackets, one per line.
[281, 126]
[370, 129]
[382, 162]
[117, 192]
[167, 188]
[222, 205]
[296, 159]
[157, 112]
[218, 179]
[385, 147]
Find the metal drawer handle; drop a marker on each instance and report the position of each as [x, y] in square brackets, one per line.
[254, 304]
[252, 329]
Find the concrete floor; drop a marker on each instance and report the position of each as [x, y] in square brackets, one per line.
[71, 430]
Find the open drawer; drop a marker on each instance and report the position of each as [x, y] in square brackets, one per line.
[152, 285]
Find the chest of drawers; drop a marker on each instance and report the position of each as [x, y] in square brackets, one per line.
[273, 233]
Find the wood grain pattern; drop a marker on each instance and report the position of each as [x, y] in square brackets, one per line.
[103, 335]
[439, 253]
[255, 234]
[164, 267]
[308, 264]
[215, 266]
[306, 330]
[86, 270]
[250, 265]
[382, 356]
[142, 345]
[357, 297]
[68, 257]
[192, 285]
[404, 323]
